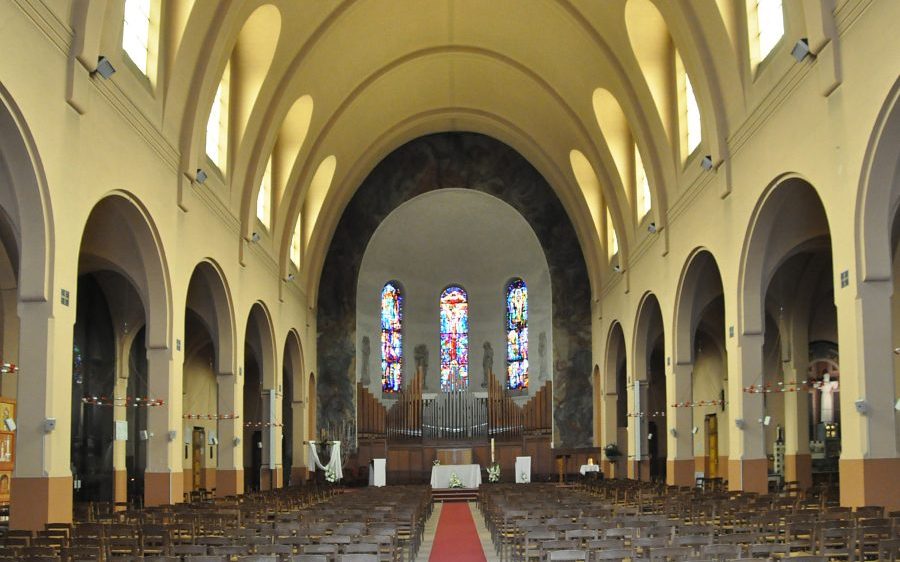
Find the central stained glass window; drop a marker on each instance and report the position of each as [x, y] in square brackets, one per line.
[517, 335]
[391, 338]
[454, 339]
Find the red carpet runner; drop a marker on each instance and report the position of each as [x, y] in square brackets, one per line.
[456, 539]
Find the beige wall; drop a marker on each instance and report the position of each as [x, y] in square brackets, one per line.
[823, 120]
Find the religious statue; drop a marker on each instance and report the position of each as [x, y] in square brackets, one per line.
[542, 352]
[487, 363]
[366, 351]
[420, 354]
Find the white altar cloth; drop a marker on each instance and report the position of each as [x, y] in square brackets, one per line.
[585, 468]
[468, 474]
[523, 470]
[376, 475]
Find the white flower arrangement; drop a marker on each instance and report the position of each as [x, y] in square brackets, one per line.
[436, 462]
[494, 473]
[455, 482]
[330, 475]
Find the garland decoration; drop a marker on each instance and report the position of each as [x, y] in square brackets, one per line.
[261, 425]
[231, 416]
[123, 401]
[699, 403]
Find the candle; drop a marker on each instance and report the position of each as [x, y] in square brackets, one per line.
[492, 450]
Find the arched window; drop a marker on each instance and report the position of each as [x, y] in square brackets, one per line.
[391, 338]
[264, 198]
[454, 339]
[612, 241]
[517, 335]
[642, 186]
[295, 245]
[217, 124]
[692, 116]
[136, 32]
[769, 25]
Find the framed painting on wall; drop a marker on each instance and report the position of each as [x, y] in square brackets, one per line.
[7, 412]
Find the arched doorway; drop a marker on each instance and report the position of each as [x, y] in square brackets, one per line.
[259, 376]
[292, 418]
[700, 371]
[616, 399]
[788, 296]
[208, 357]
[648, 394]
[122, 314]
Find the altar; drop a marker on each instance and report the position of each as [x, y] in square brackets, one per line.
[468, 474]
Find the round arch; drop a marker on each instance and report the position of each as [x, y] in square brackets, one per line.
[771, 239]
[209, 296]
[647, 328]
[699, 284]
[120, 235]
[878, 196]
[260, 338]
[25, 199]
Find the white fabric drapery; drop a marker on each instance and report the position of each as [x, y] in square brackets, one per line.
[334, 463]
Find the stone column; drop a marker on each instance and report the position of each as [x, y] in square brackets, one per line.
[797, 460]
[164, 477]
[747, 464]
[271, 441]
[230, 470]
[638, 465]
[869, 464]
[41, 489]
[299, 470]
[120, 414]
[680, 451]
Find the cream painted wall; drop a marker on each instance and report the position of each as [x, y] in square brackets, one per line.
[201, 397]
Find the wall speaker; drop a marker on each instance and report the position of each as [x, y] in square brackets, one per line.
[104, 68]
[801, 49]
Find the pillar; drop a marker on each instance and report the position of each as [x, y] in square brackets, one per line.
[747, 464]
[869, 464]
[164, 477]
[41, 489]
[272, 476]
[299, 470]
[797, 459]
[679, 449]
[638, 464]
[120, 470]
[230, 470]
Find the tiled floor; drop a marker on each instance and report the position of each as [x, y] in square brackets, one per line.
[431, 528]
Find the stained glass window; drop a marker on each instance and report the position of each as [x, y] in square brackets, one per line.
[391, 338]
[454, 339]
[517, 335]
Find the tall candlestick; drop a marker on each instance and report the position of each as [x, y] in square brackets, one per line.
[492, 450]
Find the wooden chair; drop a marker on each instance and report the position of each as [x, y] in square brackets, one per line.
[769, 550]
[189, 549]
[615, 554]
[889, 550]
[309, 558]
[358, 558]
[671, 553]
[568, 555]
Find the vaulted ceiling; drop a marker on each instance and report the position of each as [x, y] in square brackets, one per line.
[327, 88]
